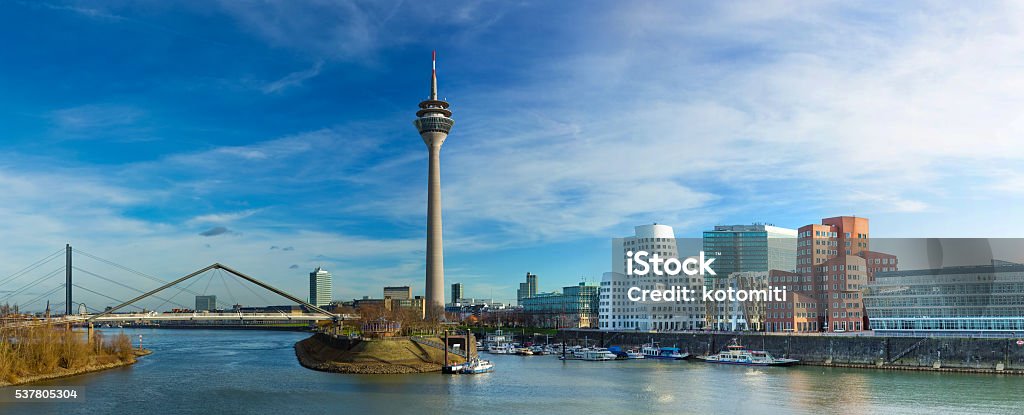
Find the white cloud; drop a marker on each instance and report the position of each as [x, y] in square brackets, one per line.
[293, 79]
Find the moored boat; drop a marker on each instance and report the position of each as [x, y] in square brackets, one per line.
[652, 351]
[736, 354]
[477, 366]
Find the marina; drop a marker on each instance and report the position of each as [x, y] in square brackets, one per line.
[275, 383]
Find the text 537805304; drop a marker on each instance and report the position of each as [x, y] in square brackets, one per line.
[40, 394]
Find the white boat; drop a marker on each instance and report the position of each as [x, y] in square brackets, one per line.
[477, 366]
[652, 351]
[523, 351]
[501, 349]
[739, 355]
[595, 354]
[633, 354]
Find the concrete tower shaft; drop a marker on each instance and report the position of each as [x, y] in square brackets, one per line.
[434, 123]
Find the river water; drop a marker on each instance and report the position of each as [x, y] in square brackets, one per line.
[255, 372]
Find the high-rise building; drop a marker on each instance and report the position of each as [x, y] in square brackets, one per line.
[320, 287]
[206, 303]
[757, 247]
[618, 312]
[434, 122]
[398, 293]
[456, 292]
[527, 289]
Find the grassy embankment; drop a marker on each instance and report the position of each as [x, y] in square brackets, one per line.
[40, 353]
[392, 356]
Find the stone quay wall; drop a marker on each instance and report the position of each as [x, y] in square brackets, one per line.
[970, 354]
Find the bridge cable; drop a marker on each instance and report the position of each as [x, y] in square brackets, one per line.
[105, 296]
[262, 298]
[32, 284]
[225, 282]
[177, 294]
[44, 295]
[122, 285]
[33, 266]
[114, 264]
[139, 273]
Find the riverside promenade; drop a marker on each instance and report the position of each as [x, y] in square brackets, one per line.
[981, 355]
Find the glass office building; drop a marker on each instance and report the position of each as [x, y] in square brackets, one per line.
[575, 306]
[757, 247]
[985, 300]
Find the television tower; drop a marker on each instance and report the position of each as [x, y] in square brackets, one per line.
[434, 121]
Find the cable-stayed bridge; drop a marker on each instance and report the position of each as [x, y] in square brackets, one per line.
[34, 284]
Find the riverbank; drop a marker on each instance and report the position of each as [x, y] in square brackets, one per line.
[90, 368]
[378, 357]
[938, 354]
[34, 354]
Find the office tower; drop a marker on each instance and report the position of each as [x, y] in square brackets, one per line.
[456, 292]
[527, 289]
[320, 288]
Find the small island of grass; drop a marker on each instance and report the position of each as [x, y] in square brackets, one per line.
[47, 352]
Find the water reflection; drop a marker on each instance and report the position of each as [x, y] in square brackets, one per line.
[225, 372]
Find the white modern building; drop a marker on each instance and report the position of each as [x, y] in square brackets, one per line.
[618, 312]
[320, 287]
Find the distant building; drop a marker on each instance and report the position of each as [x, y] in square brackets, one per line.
[416, 304]
[272, 309]
[206, 303]
[983, 300]
[398, 293]
[576, 306]
[456, 292]
[320, 288]
[527, 289]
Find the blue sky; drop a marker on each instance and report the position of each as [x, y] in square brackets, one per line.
[282, 130]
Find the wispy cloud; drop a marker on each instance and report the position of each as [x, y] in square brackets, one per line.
[221, 218]
[100, 121]
[293, 79]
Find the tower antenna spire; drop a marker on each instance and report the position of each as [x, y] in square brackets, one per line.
[433, 76]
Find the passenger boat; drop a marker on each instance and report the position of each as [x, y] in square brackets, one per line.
[652, 351]
[739, 355]
[597, 355]
[506, 348]
[477, 366]
[524, 351]
[633, 354]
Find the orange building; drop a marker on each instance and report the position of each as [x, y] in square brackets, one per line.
[832, 261]
[879, 262]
